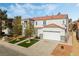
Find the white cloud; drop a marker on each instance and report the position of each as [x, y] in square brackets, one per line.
[29, 10]
[3, 8]
[16, 10]
[40, 7]
[50, 7]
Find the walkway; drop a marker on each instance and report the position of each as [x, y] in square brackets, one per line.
[22, 41]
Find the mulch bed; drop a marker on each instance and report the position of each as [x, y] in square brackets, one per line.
[62, 50]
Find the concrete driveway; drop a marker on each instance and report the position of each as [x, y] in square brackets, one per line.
[41, 48]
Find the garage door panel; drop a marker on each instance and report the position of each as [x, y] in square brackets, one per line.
[51, 35]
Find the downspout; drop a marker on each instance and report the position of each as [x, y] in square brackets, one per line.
[67, 28]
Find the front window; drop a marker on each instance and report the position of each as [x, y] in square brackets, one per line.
[44, 22]
[63, 21]
[63, 38]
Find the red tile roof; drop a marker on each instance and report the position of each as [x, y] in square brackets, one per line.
[52, 26]
[61, 16]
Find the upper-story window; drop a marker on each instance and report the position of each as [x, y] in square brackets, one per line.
[44, 22]
[32, 22]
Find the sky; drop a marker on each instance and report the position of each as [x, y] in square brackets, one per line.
[30, 10]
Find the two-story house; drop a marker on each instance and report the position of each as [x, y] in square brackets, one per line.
[53, 27]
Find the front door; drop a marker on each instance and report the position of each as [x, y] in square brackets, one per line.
[41, 36]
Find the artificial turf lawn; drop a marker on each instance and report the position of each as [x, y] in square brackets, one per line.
[24, 44]
[15, 41]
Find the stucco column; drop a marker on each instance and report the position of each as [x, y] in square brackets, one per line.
[23, 31]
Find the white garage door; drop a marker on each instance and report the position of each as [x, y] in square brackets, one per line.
[51, 35]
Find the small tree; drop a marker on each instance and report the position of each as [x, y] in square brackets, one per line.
[29, 28]
[17, 27]
[28, 32]
[74, 27]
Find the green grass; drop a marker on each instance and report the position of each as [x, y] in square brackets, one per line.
[15, 41]
[24, 44]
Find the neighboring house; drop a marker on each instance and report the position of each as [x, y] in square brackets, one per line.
[26, 23]
[6, 31]
[10, 22]
[7, 26]
[53, 27]
[23, 23]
